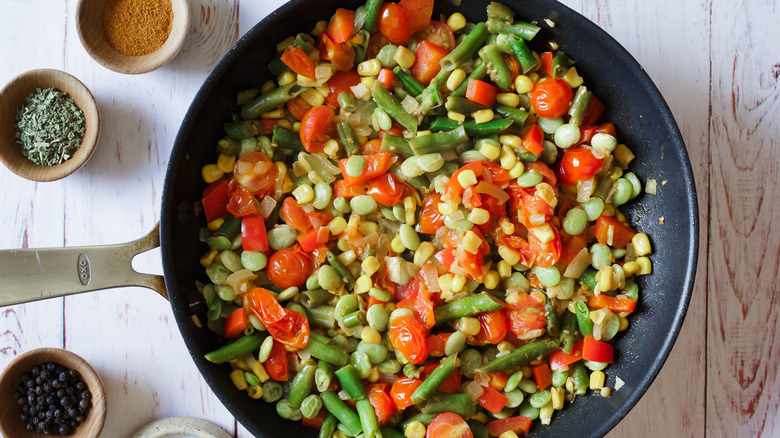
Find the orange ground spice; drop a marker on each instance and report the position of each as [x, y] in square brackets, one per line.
[137, 27]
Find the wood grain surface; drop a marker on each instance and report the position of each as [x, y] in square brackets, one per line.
[716, 62]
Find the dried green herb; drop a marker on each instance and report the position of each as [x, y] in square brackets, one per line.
[49, 127]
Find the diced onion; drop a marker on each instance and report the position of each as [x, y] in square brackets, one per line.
[267, 206]
[323, 72]
[239, 278]
[492, 190]
[651, 187]
[431, 277]
[474, 390]
[360, 91]
[326, 163]
[578, 264]
[410, 104]
[585, 190]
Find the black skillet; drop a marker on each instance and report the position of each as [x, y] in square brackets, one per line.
[633, 103]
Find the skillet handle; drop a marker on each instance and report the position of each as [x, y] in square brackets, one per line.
[36, 274]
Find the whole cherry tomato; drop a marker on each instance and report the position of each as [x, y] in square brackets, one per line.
[289, 267]
[551, 97]
[317, 128]
[408, 336]
[578, 164]
[394, 24]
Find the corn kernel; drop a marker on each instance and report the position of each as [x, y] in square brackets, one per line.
[404, 57]
[303, 194]
[287, 184]
[347, 257]
[597, 380]
[558, 396]
[511, 140]
[524, 84]
[480, 417]
[455, 79]
[370, 335]
[211, 173]
[207, 259]
[424, 253]
[397, 245]
[286, 78]
[467, 178]
[445, 282]
[273, 114]
[509, 255]
[468, 325]
[641, 244]
[370, 67]
[415, 429]
[458, 283]
[508, 99]
[505, 346]
[491, 280]
[623, 323]
[479, 216]
[373, 376]
[267, 86]
[547, 193]
[517, 170]
[456, 21]
[363, 284]
[343, 244]
[368, 227]
[237, 376]
[471, 242]
[284, 123]
[215, 224]
[491, 151]
[313, 97]
[605, 392]
[331, 147]
[410, 208]
[225, 163]
[368, 82]
[508, 434]
[458, 117]
[504, 269]
[370, 265]
[545, 414]
[483, 116]
[533, 76]
[623, 154]
[644, 266]
[605, 280]
[616, 174]
[543, 232]
[506, 226]
[354, 221]
[572, 78]
[447, 208]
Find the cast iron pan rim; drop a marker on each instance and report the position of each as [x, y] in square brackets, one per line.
[179, 152]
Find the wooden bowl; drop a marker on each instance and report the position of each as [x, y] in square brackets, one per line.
[14, 95]
[10, 423]
[89, 22]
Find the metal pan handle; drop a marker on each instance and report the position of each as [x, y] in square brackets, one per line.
[37, 274]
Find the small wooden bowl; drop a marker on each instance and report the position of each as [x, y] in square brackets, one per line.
[14, 95]
[89, 22]
[10, 423]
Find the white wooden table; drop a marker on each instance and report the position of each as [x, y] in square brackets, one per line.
[716, 62]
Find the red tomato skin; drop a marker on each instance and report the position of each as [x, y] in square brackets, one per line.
[276, 365]
[408, 336]
[448, 425]
[401, 392]
[430, 218]
[341, 81]
[578, 164]
[387, 189]
[316, 128]
[394, 24]
[289, 267]
[493, 327]
[294, 216]
[245, 172]
[340, 27]
[298, 108]
[418, 12]
[621, 233]
[517, 425]
[242, 203]
[550, 97]
[438, 33]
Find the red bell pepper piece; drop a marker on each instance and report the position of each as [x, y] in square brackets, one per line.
[597, 351]
[253, 234]
[215, 199]
[532, 140]
[481, 92]
[235, 323]
[559, 359]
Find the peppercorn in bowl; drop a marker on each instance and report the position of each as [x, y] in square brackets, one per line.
[54, 390]
[49, 125]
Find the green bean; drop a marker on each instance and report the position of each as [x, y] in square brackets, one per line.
[228, 146]
[497, 68]
[585, 325]
[459, 404]
[377, 317]
[314, 298]
[230, 228]
[323, 375]
[316, 163]
[346, 102]
[346, 431]
[348, 138]
[272, 391]
[499, 11]
[372, 15]
[311, 405]
[492, 127]
[560, 65]
[622, 193]
[220, 243]
[376, 353]
[528, 411]
[466, 49]
[301, 385]
[439, 141]
[479, 72]
[326, 352]
[239, 348]
[575, 222]
[368, 419]
[553, 323]
[600, 256]
[521, 51]
[568, 330]
[363, 204]
[462, 105]
[412, 85]
[350, 381]
[242, 129]
[393, 107]
[270, 100]
[328, 426]
[287, 139]
[470, 360]
[355, 318]
[389, 432]
[361, 362]
[338, 266]
[411, 371]
[425, 419]
[579, 376]
[439, 374]
[340, 410]
[516, 115]
[468, 306]
[579, 105]
[362, 48]
[396, 144]
[520, 29]
[520, 356]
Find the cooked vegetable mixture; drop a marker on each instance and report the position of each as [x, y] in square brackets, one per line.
[415, 229]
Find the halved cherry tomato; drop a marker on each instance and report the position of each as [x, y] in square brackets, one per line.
[341, 55]
[286, 326]
[597, 351]
[253, 234]
[438, 33]
[317, 128]
[550, 97]
[235, 323]
[541, 168]
[387, 189]
[215, 199]
[542, 376]
[546, 253]
[381, 401]
[481, 92]
[559, 359]
[376, 165]
[527, 313]
[448, 425]
[340, 27]
[485, 171]
[256, 172]
[436, 344]
[612, 232]
[426, 64]
[578, 164]
[298, 108]
[419, 301]
[418, 12]
[430, 218]
[493, 327]
[341, 82]
[618, 304]
[594, 111]
[242, 203]
[513, 64]
[298, 61]
[518, 425]
[276, 365]
[394, 24]
[492, 400]
[343, 189]
[289, 267]
[401, 392]
[294, 216]
[407, 335]
[533, 138]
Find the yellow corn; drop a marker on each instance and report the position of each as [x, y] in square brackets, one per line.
[508, 99]
[456, 21]
[343, 244]
[404, 57]
[313, 97]
[445, 282]
[370, 67]
[605, 280]
[368, 227]
[447, 208]
[471, 242]
[324, 90]
[478, 216]
[215, 224]
[547, 193]
[370, 265]
[524, 84]
[509, 255]
[644, 266]
[286, 78]
[337, 225]
[491, 280]
[225, 163]
[267, 86]
[533, 76]
[467, 178]
[558, 396]
[623, 323]
[605, 392]
[284, 123]
[545, 413]
[370, 335]
[489, 150]
[505, 346]
[410, 207]
[516, 170]
[303, 194]
[572, 78]
[255, 392]
[483, 116]
[211, 173]
[458, 117]
[623, 154]
[207, 259]
[237, 376]
[287, 184]
[543, 232]
[597, 380]
[458, 283]
[424, 253]
[455, 79]
[373, 376]
[616, 173]
[504, 269]
[506, 226]
[284, 43]
[468, 325]
[511, 140]
[331, 147]
[641, 244]
[363, 284]
[508, 434]
[347, 257]
[397, 245]
[415, 429]
[480, 417]
[273, 114]
[630, 268]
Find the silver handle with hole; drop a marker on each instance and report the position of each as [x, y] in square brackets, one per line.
[37, 274]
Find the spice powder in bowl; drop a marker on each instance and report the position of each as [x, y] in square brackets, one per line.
[137, 27]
